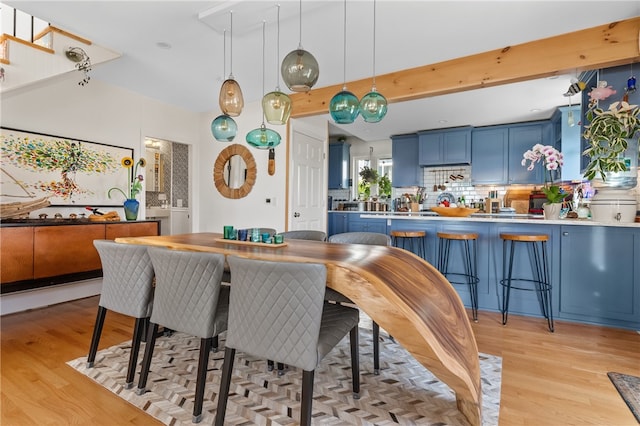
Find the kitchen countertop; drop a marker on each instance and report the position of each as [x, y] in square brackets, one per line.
[486, 217]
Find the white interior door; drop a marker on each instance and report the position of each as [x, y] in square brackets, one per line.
[307, 181]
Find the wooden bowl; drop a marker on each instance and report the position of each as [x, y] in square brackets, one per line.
[454, 211]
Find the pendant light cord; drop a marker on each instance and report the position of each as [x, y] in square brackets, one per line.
[374, 45]
[344, 50]
[231, 47]
[300, 30]
[264, 25]
[224, 53]
[278, 52]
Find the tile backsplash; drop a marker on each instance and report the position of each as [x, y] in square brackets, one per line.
[458, 187]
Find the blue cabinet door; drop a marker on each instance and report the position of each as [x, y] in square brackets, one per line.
[444, 147]
[338, 223]
[358, 224]
[522, 138]
[489, 149]
[339, 157]
[404, 153]
[601, 279]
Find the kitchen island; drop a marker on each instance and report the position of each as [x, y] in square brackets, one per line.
[595, 267]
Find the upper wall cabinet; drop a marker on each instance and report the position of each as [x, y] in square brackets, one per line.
[339, 158]
[444, 147]
[497, 153]
[404, 152]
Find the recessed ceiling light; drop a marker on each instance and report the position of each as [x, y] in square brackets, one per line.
[163, 45]
[535, 110]
[443, 121]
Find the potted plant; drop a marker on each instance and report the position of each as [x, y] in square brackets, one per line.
[609, 134]
[369, 177]
[384, 186]
[553, 160]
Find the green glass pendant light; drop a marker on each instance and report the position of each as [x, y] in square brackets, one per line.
[277, 105]
[344, 107]
[373, 106]
[300, 70]
[263, 138]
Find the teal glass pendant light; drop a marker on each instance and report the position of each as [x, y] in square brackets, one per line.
[231, 100]
[373, 106]
[344, 107]
[300, 70]
[223, 127]
[277, 105]
[263, 138]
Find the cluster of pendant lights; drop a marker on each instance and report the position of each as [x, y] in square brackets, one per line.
[345, 107]
[300, 72]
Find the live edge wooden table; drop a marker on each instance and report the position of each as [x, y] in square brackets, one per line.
[400, 291]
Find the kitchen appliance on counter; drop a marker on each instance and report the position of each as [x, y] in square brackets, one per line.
[536, 201]
[492, 205]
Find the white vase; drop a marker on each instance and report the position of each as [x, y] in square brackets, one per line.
[552, 210]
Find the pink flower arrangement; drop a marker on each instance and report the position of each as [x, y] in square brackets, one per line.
[553, 160]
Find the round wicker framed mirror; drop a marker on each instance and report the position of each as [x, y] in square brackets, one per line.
[234, 172]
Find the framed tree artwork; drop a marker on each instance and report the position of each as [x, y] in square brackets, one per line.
[66, 171]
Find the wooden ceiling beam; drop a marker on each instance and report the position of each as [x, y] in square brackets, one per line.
[603, 46]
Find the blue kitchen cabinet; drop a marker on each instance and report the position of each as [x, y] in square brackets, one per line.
[489, 147]
[566, 139]
[444, 147]
[523, 137]
[600, 275]
[358, 224]
[337, 223]
[339, 157]
[404, 153]
[497, 153]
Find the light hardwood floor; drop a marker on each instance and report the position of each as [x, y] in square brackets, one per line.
[547, 378]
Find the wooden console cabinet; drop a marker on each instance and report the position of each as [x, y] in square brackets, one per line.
[41, 255]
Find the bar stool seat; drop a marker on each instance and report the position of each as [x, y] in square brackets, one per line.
[412, 239]
[469, 260]
[539, 280]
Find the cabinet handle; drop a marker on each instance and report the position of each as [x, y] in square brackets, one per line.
[296, 214]
[565, 233]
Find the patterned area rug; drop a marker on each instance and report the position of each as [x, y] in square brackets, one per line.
[629, 389]
[404, 393]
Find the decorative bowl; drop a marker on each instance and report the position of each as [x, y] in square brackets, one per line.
[454, 211]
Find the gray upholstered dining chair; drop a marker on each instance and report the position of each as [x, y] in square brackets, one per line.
[304, 234]
[127, 288]
[369, 238]
[277, 311]
[189, 298]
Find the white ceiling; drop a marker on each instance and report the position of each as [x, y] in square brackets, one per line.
[408, 34]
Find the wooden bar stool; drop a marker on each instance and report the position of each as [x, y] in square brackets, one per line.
[412, 239]
[537, 245]
[469, 261]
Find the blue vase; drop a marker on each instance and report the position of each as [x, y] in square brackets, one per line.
[131, 207]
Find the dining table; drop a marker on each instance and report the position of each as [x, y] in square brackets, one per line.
[407, 296]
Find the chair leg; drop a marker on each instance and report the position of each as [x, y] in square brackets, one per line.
[214, 344]
[203, 362]
[97, 332]
[225, 383]
[138, 331]
[355, 361]
[307, 398]
[280, 369]
[376, 348]
[146, 361]
[270, 365]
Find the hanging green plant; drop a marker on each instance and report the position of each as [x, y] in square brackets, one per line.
[369, 175]
[608, 135]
